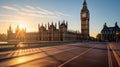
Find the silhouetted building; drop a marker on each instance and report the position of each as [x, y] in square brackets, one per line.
[85, 21]
[110, 33]
[18, 35]
[45, 33]
[3, 37]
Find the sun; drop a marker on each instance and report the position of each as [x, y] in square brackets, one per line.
[22, 24]
[25, 24]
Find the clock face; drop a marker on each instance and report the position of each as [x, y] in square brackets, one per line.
[84, 15]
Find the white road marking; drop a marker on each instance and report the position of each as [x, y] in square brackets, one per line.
[109, 57]
[116, 56]
[76, 56]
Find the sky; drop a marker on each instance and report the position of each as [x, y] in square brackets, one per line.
[30, 13]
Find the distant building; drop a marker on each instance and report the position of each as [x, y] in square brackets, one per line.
[84, 16]
[110, 33]
[45, 33]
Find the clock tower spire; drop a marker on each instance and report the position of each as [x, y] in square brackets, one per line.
[84, 16]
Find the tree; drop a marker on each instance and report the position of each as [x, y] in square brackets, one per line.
[98, 37]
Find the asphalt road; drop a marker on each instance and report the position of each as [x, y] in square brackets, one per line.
[70, 55]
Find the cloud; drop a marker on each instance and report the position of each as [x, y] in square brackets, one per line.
[46, 11]
[9, 8]
[29, 14]
[4, 15]
[30, 7]
[62, 14]
[27, 10]
[34, 12]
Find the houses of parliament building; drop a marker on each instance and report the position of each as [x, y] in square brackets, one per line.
[45, 33]
[51, 33]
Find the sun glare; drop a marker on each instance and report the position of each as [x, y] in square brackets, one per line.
[22, 24]
[21, 60]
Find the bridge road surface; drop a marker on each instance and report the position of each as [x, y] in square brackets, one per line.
[70, 55]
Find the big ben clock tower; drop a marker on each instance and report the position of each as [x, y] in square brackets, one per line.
[85, 21]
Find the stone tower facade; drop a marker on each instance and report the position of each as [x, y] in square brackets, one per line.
[85, 21]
